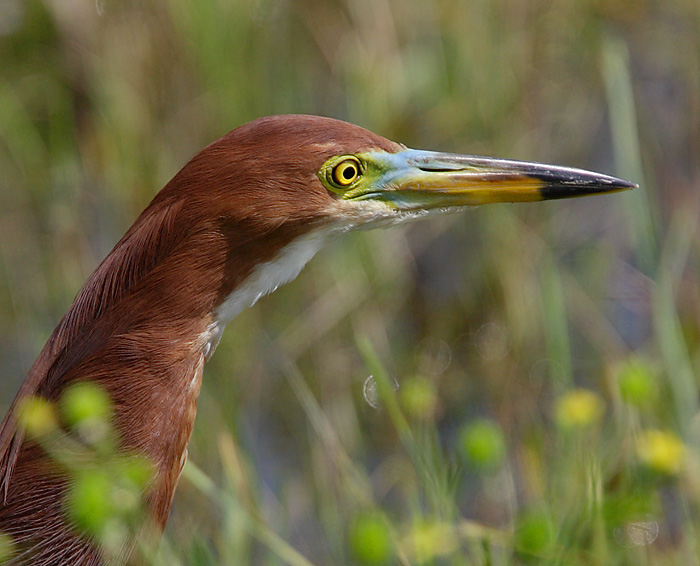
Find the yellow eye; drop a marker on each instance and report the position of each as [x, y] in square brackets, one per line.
[346, 172]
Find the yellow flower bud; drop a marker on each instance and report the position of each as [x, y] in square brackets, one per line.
[661, 451]
[37, 416]
[579, 408]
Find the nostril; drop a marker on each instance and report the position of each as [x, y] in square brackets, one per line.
[441, 165]
[436, 168]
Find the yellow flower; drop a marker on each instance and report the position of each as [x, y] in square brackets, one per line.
[661, 451]
[37, 416]
[7, 547]
[430, 540]
[419, 398]
[579, 408]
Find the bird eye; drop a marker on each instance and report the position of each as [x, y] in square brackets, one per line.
[346, 172]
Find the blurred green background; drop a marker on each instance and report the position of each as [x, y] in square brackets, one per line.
[546, 355]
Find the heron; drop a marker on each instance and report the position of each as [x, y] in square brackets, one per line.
[241, 218]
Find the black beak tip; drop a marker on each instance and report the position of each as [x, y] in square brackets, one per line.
[581, 186]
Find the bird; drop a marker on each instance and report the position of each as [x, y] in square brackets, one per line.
[241, 218]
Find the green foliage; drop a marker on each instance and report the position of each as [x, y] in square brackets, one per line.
[483, 444]
[370, 540]
[85, 404]
[105, 499]
[106, 483]
[90, 504]
[638, 384]
[535, 533]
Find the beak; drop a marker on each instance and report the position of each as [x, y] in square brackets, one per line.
[420, 180]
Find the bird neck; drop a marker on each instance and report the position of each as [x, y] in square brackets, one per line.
[265, 278]
[154, 311]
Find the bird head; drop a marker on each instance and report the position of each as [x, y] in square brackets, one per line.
[306, 171]
[269, 184]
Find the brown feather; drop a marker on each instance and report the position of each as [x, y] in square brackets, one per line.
[137, 326]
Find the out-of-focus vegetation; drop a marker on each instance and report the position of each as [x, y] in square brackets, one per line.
[547, 355]
[105, 497]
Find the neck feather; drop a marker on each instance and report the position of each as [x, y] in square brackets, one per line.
[141, 327]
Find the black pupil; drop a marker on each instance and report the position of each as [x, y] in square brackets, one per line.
[348, 172]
